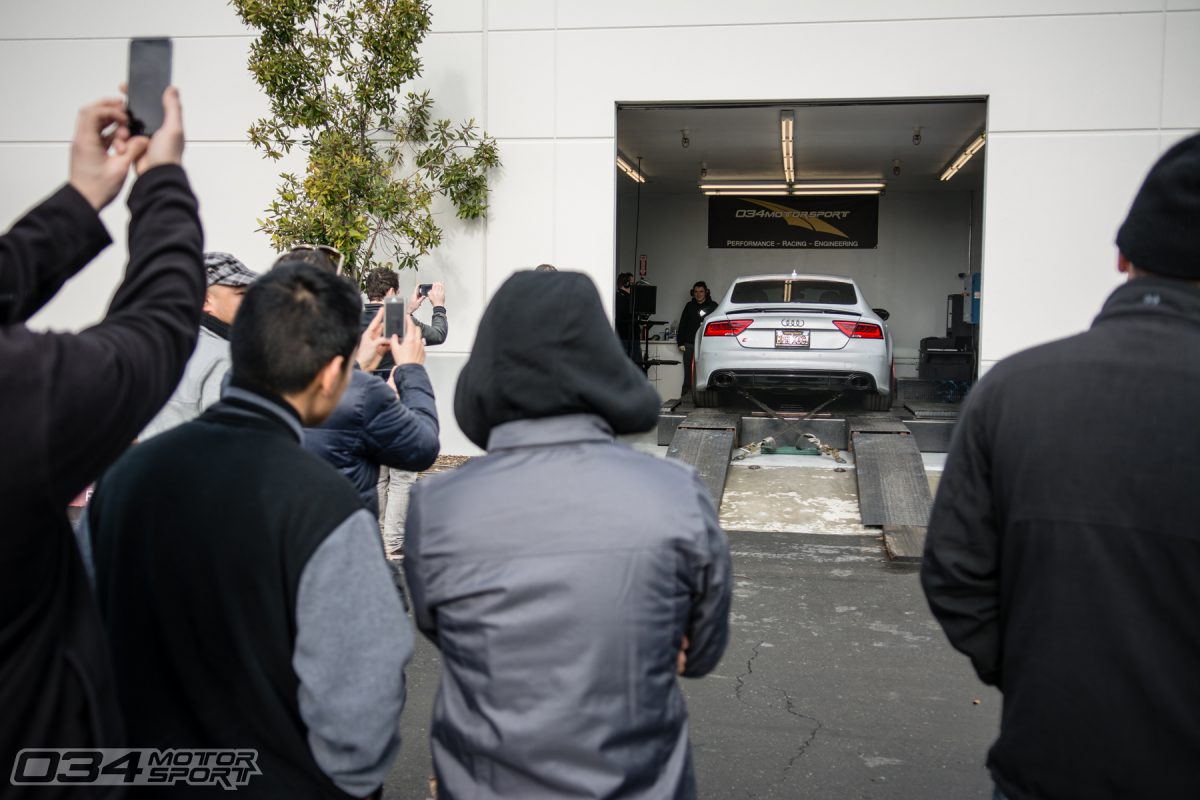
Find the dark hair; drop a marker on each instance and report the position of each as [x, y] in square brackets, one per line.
[292, 322]
[545, 268]
[700, 285]
[308, 256]
[379, 280]
[624, 279]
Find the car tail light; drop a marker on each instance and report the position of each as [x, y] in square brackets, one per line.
[726, 327]
[859, 330]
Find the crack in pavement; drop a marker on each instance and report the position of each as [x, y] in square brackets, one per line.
[741, 679]
[791, 709]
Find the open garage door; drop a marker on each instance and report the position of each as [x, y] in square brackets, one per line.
[887, 193]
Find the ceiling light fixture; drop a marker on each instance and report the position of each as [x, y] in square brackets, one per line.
[961, 160]
[798, 188]
[787, 125]
[635, 174]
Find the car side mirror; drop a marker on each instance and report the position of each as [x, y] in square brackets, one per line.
[882, 312]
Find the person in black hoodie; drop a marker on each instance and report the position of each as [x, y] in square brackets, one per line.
[72, 404]
[690, 320]
[1067, 568]
[562, 574]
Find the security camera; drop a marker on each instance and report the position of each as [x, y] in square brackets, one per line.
[685, 141]
[703, 170]
[916, 136]
[896, 168]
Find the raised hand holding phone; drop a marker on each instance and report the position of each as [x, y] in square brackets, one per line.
[412, 349]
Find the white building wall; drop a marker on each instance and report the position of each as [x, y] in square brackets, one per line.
[1083, 96]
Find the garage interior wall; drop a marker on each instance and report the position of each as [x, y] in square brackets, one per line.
[1083, 97]
[924, 242]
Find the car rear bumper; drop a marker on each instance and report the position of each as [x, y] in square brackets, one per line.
[794, 379]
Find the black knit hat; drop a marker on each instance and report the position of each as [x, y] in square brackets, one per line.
[1162, 232]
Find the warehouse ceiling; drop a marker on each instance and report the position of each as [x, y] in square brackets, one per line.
[849, 140]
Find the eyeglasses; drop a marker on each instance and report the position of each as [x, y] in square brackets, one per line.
[332, 253]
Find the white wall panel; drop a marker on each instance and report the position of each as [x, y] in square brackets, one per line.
[520, 230]
[220, 97]
[584, 212]
[1181, 71]
[67, 19]
[1182, 5]
[443, 369]
[456, 15]
[47, 82]
[520, 14]
[1041, 73]
[521, 84]
[664, 13]
[1052, 217]
[452, 71]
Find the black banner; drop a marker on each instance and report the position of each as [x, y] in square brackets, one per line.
[834, 222]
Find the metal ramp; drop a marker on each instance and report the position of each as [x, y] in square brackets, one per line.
[893, 490]
[705, 439]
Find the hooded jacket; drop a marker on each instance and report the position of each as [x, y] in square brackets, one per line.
[1069, 575]
[560, 573]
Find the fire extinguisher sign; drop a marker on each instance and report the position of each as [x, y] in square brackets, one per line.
[642, 265]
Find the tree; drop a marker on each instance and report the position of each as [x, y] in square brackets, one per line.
[333, 71]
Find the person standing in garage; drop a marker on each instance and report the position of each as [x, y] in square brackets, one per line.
[1064, 567]
[700, 306]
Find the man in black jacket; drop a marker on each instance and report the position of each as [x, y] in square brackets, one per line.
[242, 583]
[1064, 546]
[72, 403]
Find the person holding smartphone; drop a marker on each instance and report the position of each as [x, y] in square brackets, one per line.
[73, 402]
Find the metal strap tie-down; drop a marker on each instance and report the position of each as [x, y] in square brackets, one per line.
[753, 448]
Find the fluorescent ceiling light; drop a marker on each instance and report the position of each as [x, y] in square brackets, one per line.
[747, 192]
[787, 124]
[826, 192]
[745, 185]
[823, 185]
[805, 188]
[961, 160]
[636, 174]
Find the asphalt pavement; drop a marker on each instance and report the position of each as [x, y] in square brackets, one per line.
[837, 683]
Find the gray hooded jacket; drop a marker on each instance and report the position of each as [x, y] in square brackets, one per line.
[560, 573]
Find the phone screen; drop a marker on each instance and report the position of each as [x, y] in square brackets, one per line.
[393, 317]
[149, 77]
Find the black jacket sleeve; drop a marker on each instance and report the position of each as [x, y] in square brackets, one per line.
[44, 250]
[105, 383]
[960, 572]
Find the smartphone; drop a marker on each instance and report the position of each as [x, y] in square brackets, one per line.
[393, 317]
[423, 289]
[149, 77]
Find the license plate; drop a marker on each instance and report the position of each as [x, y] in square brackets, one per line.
[791, 338]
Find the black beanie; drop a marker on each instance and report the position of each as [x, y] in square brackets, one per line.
[1162, 232]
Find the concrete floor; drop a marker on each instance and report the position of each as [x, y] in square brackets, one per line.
[791, 494]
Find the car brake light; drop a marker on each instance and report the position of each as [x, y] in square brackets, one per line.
[727, 327]
[859, 330]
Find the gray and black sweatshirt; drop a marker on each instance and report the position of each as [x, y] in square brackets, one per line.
[249, 604]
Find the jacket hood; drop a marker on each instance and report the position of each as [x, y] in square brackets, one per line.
[545, 348]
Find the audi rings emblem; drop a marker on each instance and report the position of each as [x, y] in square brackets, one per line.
[793, 323]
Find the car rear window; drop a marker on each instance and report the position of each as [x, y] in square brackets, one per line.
[794, 291]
